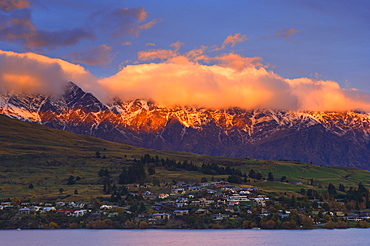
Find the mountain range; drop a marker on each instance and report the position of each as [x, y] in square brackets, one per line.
[322, 138]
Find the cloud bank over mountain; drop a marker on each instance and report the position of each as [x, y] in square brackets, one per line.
[193, 78]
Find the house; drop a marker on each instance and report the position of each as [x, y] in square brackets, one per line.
[110, 215]
[81, 212]
[60, 204]
[202, 211]
[180, 212]
[24, 210]
[106, 207]
[161, 216]
[163, 196]
[232, 203]
[178, 191]
[48, 209]
[206, 203]
[157, 207]
[64, 211]
[219, 217]
[181, 204]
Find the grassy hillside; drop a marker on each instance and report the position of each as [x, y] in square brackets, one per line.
[34, 154]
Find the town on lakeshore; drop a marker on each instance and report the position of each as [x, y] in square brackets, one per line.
[228, 203]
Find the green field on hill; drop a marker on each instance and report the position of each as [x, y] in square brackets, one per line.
[34, 154]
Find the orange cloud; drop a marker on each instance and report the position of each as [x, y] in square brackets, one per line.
[156, 54]
[149, 25]
[234, 81]
[182, 82]
[127, 43]
[235, 61]
[286, 33]
[163, 54]
[9, 5]
[233, 40]
[30, 72]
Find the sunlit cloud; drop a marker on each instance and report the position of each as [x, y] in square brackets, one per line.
[101, 55]
[162, 54]
[229, 80]
[9, 5]
[127, 43]
[33, 73]
[150, 24]
[150, 44]
[286, 34]
[232, 40]
[214, 86]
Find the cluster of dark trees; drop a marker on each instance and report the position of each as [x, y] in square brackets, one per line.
[139, 171]
[133, 174]
[359, 195]
[214, 169]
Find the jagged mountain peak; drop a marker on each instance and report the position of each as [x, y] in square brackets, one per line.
[326, 138]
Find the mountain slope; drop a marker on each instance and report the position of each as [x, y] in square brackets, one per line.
[324, 138]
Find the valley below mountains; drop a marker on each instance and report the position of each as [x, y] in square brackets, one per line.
[321, 138]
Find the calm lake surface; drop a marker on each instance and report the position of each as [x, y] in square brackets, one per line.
[185, 237]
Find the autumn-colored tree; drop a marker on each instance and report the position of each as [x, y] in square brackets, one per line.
[143, 225]
[130, 225]
[270, 224]
[97, 224]
[305, 221]
[363, 224]
[73, 226]
[53, 225]
[341, 225]
[253, 225]
[246, 224]
[329, 225]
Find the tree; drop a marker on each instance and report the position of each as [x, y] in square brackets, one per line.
[130, 225]
[341, 187]
[252, 174]
[71, 180]
[259, 176]
[53, 225]
[283, 179]
[270, 177]
[30, 186]
[331, 190]
[143, 225]
[97, 154]
[203, 180]
[151, 170]
[326, 206]
[61, 190]
[76, 192]
[362, 190]
[234, 179]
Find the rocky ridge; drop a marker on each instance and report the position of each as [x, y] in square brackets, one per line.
[325, 138]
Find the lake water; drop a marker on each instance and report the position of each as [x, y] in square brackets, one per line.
[185, 237]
